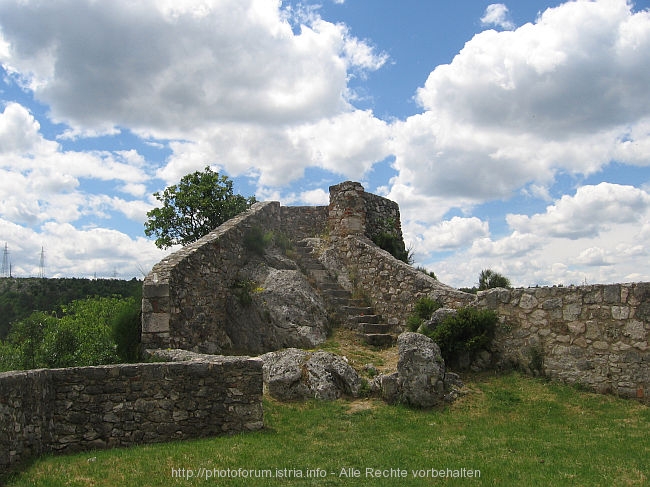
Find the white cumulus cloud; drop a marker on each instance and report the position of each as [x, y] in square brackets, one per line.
[497, 14]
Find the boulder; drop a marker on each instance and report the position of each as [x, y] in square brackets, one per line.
[294, 374]
[437, 317]
[421, 370]
[282, 374]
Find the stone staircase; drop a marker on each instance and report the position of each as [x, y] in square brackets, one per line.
[349, 312]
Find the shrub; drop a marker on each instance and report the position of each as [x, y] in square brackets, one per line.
[394, 245]
[469, 331]
[125, 329]
[489, 279]
[424, 308]
[256, 240]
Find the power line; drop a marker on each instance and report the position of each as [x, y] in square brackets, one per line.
[41, 265]
[6, 266]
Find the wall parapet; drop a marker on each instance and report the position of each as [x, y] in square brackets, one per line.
[596, 335]
[392, 286]
[82, 408]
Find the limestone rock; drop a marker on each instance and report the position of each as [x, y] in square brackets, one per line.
[421, 370]
[294, 374]
[387, 385]
[281, 311]
[330, 376]
[437, 317]
[282, 374]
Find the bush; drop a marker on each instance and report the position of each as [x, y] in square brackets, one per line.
[394, 246]
[82, 336]
[125, 329]
[469, 331]
[424, 308]
[489, 279]
[256, 240]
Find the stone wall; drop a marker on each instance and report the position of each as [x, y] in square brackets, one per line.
[392, 286]
[596, 336]
[300, 222]
[62, 410]
[185, 295]
[347, 210]
[352, 211]
[382, 217]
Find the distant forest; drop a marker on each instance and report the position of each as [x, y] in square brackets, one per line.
[20, 297]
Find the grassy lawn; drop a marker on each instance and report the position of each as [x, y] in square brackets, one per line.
[514, 430]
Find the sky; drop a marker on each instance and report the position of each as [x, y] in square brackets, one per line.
[514, 136]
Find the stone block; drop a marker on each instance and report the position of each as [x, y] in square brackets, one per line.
[155, 323]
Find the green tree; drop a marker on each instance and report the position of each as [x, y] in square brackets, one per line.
[489, 279]
[85, 334]
[201, 202]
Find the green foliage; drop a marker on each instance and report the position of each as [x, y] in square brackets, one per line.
[126, 326]
[489, 279]
[469, 331]
[27, 338]
[394, 245]
[256, 240]
[201, 202]
[282, 241]
[424, 308]
[244, 290]
[82, 336]
[20, 297]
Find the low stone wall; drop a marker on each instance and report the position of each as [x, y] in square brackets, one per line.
[300, 222]
[392, 286]
[595, 336]
[62, 410]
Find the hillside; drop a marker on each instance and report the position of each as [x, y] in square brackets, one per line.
[19, 297]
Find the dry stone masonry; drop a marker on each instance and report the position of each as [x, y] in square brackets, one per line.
[81, 408]
[596, 336]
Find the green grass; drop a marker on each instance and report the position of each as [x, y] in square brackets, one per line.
[515, 430]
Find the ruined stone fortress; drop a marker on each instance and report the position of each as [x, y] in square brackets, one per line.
[595, 335]
[225, 295]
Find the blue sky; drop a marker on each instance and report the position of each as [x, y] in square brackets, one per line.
[515, 136]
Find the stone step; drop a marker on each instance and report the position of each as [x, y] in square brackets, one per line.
[378, 339]
[376, 328]
[327, 285]
[357, 310]
[365, 319]
[339, 303]
[337, 293]
[320, 275]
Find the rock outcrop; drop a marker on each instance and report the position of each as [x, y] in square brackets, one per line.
[294, 374]
[275, 307]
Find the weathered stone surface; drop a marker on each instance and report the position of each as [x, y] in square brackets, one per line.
[578, 334]
[421, 370]
[294, 374]
[60, 410]
[284, 311]
[283, 373]
[437, 317]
